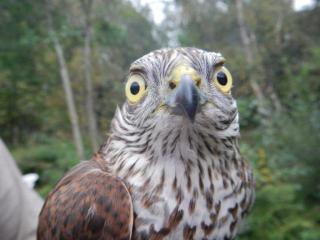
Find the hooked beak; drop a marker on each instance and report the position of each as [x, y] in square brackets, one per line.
[185, 99]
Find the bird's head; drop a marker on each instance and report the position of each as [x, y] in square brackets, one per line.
[180, 87]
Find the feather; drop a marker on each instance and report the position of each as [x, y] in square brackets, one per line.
[88, 203]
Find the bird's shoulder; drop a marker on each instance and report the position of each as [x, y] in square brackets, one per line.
[87, 203]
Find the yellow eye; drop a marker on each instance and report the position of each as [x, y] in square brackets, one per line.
[222, 79]
[135, 88]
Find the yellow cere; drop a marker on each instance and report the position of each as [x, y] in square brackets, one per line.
[181, 70]
[135, 88]
[224, 83]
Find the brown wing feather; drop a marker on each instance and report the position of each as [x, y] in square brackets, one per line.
[88, 203]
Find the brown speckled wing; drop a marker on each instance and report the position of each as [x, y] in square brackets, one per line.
[88, 203]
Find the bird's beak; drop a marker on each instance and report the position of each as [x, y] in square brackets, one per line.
[185, 98]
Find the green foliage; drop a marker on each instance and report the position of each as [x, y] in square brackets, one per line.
[278, 214]
[248, 113]
[285, 157]
[285, 153]
[18, 78]
[49, 157]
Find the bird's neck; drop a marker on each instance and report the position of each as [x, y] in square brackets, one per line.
[132, 150]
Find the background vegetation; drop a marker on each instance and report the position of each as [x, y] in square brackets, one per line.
[272, 51]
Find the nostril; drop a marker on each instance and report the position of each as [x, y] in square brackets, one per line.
[172, 85]
[198, 82]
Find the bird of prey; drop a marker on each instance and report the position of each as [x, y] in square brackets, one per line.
[171, 166]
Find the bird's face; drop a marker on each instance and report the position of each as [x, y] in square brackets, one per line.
[182, 86]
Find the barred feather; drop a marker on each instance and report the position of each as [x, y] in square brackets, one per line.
[188, 181]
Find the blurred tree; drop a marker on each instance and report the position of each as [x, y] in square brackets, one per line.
[20, 98]
[33, 114]
[91, 116]
[248, 39]
[66, 84]
[31, 101]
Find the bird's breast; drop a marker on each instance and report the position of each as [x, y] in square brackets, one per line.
[191, 200]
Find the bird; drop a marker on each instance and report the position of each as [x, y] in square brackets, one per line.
[170, 167]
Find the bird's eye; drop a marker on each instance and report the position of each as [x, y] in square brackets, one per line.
[135, 88]
[222, 79]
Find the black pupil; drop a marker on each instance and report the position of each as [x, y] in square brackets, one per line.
[134, 88]
[222, 78]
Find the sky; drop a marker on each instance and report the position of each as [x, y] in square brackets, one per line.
[302, 4]
[157, 7]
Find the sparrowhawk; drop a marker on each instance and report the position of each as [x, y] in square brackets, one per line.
[171, 166]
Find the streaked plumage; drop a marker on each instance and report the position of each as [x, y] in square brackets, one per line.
[172, 160]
